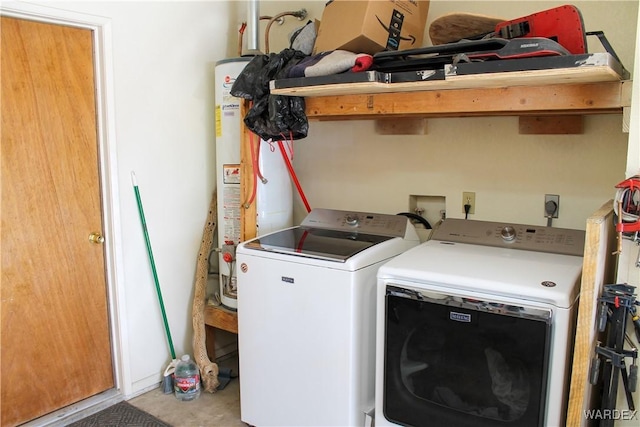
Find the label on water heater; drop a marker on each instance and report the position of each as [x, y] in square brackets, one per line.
[231, 203]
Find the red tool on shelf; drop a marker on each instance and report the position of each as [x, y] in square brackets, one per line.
[562, 24]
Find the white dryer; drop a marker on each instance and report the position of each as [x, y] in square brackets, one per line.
[306, 317]
[475, 327]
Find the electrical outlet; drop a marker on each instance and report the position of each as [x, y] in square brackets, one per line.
[549, 200]
[469, 197]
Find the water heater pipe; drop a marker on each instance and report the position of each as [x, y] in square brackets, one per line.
[253, 19]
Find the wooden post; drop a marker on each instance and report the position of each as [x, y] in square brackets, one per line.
[248, 145]
[598, 269]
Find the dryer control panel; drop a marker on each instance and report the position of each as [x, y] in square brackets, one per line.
[513, 236]
[361, 222]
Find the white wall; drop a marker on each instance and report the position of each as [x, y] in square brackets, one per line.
[633, 154]
[164, 58]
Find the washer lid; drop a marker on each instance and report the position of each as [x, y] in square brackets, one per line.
[332, 245]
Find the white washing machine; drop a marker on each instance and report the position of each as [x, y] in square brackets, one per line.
[475, 327]
[306, 317]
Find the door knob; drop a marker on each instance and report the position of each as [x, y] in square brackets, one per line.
[96, 238]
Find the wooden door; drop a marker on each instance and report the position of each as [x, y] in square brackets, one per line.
[55, 326]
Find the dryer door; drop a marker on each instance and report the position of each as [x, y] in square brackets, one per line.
[463, 362]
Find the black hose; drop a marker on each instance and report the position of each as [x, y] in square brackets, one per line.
[418, 218]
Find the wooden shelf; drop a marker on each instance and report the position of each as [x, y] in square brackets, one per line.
[221, 318]
[576, 85]
[575, 98]
[216, 317]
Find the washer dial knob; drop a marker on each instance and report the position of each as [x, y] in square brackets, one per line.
[352, 220]
[508, 233]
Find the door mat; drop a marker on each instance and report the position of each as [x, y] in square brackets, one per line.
[119, 415]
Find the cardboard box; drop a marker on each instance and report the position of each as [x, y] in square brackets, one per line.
[371, 26]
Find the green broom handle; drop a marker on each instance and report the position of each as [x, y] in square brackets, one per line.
[153, 264]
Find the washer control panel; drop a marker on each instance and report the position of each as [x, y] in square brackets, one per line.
[513, 236]
[361, 222]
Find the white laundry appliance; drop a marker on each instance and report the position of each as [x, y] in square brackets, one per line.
[475, 327]
[306, 317]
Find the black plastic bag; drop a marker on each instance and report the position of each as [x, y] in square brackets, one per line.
[274, 117]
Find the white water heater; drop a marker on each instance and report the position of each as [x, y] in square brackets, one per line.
[274, 204]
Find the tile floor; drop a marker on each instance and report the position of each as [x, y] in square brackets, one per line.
[219, 409]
